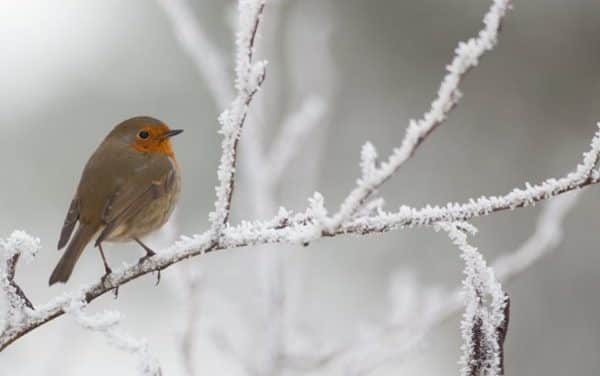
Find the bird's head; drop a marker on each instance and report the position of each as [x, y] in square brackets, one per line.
[146, 135]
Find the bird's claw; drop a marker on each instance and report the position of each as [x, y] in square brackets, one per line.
[104, 280]
[107, 274]
[149, 253]
[157, 277]
[148, 256]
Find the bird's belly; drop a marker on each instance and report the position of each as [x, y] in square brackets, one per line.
[149, 219]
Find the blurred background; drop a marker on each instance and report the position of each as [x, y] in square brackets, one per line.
[71, 70]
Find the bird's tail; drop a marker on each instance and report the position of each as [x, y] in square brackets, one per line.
[65, 266]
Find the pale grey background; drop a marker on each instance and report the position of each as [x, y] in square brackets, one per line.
[70, 70]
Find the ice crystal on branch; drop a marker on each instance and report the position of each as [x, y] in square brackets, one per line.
[21, 243]
[292, 135]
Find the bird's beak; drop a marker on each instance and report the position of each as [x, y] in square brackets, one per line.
[171, 133]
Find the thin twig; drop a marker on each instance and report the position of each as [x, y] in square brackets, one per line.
[207, 59]
[11, 267]
[192, 283]
[502, 331]
[249, 78]
[467, 56]
[294, 131]
[107, 323]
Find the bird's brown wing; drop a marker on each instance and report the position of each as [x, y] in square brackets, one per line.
[130, 200]
[69, 224]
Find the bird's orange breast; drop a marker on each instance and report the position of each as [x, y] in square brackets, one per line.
[158, 146]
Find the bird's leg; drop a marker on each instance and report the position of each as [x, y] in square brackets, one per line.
[107, 269]
[149, 253]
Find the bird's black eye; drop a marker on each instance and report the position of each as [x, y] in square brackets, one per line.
[143, 135]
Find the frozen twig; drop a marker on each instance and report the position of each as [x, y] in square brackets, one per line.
[411, 308]
[107, 323]
[368, 161]
[188, 285]
[13, 288]
[192, 285]
[585, 174]
[206, 57]
[16, 304]
[467, 56]
[249, 77]
[485, 320]
[265, 171]
[547, 236]
[294, 131]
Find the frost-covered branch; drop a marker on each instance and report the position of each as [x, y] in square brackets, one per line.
[15, 303]
[249, 77]
[211, 65]
[107, 323]
[586, 173]
[417, 310]
[485, 320]
[467, 56]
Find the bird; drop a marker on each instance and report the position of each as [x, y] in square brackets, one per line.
[128, 189]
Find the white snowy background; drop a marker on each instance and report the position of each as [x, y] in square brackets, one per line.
[70, 70]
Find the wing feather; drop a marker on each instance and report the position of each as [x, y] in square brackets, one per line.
[69, 223]
[127, 202]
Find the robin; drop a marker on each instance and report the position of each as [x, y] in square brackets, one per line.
[128, 188]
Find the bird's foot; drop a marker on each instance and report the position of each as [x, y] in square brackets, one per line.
[150, 253]
[107, 273]
[147, 257]
[104, 280]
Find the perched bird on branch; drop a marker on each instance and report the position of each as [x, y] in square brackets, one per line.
[128, 189]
